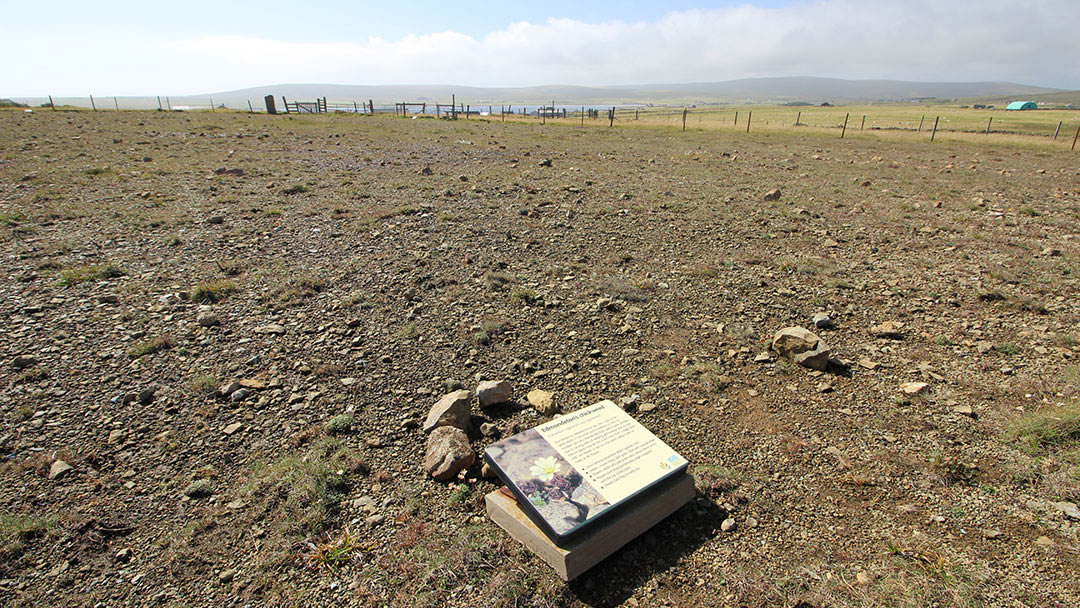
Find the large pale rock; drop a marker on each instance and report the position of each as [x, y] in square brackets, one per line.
[448, 453]
[543, 401]
[801, 346]
[58, 469]
[452, 410]
[494, 392]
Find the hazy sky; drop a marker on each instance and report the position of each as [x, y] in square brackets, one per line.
[147, 48]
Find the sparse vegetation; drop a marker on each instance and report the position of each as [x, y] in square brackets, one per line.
[214, 291]
[80, 274]
[151, 346]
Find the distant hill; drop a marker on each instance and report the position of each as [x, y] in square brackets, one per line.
[744, 91]
[747, 90]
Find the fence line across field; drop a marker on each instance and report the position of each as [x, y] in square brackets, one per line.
[770, 118]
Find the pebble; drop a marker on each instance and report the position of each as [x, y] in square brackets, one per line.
[1069, 510]
[822, 320]
[23, 362]
[543, 401]
[802, 347]
[58, 469]
[232, 428]
[728, 525]
[914, 388]
[226, 576]
[208, 320]
[494, 392]
[448, 453]
[453, 409]
[272, 329]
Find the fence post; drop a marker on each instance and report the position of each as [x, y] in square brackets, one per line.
[211, 104]
[453, 107]
[168, 103]
[736, 123]
[844, 129]
[611, 117]
[988, 123]
[1075, 137]
[749, 115]
[92, 106]
[251, 110]
[683, 118]
[285, 103]
[798, 117]
[863, 125]
[920, 122]
[1058, 130]
[355, 109]
[53, 106]
[115, 103]
[468, 109]
[371, 104]
[159, 108]
[936, 119]
[582, 116]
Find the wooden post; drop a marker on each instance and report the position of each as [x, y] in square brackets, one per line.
[936, 119]
[736, 123]
[582, 116]
[749, 115]
[863, 125]
[468, 110]
[1075, 137]
[798, 117]
[92, 106]
[115, 103]
[168, 103]
[211, 104]
[453, 107]
[988, 123]
[502, 114]
[635, 114]
[159, 108]
[251, 110]
[355, 109]
[285, 103]
[53, 106]
[371, 105]
[920, 123]
[611, 117]
[683, 118]
[1058, 130]
[844, 129]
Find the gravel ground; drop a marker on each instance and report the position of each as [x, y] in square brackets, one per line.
[367, 266]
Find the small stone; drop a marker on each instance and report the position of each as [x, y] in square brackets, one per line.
[824, 387]
[1068, 509]
[488, 429]
[146, 396]
[802, 347]
[271, 329]
[226, 576]
[822, 320]
[493, 392]
[116, 436]
[888, 329]
[647, 407]
[232, 428]
[487, 472]
[239, 395]
[772, 195]
[215, 219]
[23, 362]
[108, 299]
[58, 469]
[453, 409]
[124, 555]
[1044, 541]
[543, 401]
[866, 363]
[208, 320]
[862, 578]
[914, 388]
[762, 358]
[964, 410]
[992, 534]
[229, 389]
[751, 522]
[728, 525]
[448, 453]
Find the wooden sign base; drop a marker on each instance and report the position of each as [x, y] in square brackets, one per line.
[602, 538]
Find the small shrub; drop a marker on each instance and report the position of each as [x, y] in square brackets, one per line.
[1007, 349]
[204, 384]
[296, 189]
[497, 280]
[151, 346]
[230, 268]
[213, 291]
[340, 424]
[94, 171]
[1047, 429]
[524, 294]
[16, 530]
[943, 341]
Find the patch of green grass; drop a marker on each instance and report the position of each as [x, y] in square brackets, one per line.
[94, 171]
[296, 189]
[304, 492]
[409, 332]
[213, 291]
[298, 290]
[943, 340]
[1029, 212]
[272, 211]
[204, 384]
[151, 346]
[459, 495]
[10, 220]
[707, 374]
[497, 280]
[1047, 430]
[80, 274]
[1007, 349]
[16, 530]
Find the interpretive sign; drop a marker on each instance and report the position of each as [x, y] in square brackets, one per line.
[567, 473]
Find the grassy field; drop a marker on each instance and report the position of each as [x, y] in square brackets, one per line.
[889, 120]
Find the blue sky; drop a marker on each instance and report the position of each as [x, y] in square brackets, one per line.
[148, 48]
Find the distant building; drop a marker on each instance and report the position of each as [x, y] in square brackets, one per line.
[1022, 105]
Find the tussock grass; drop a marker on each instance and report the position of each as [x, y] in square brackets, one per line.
[81, 274]
[213, 291]
[151, 346]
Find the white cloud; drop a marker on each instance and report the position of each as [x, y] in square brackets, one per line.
[1033, 42]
